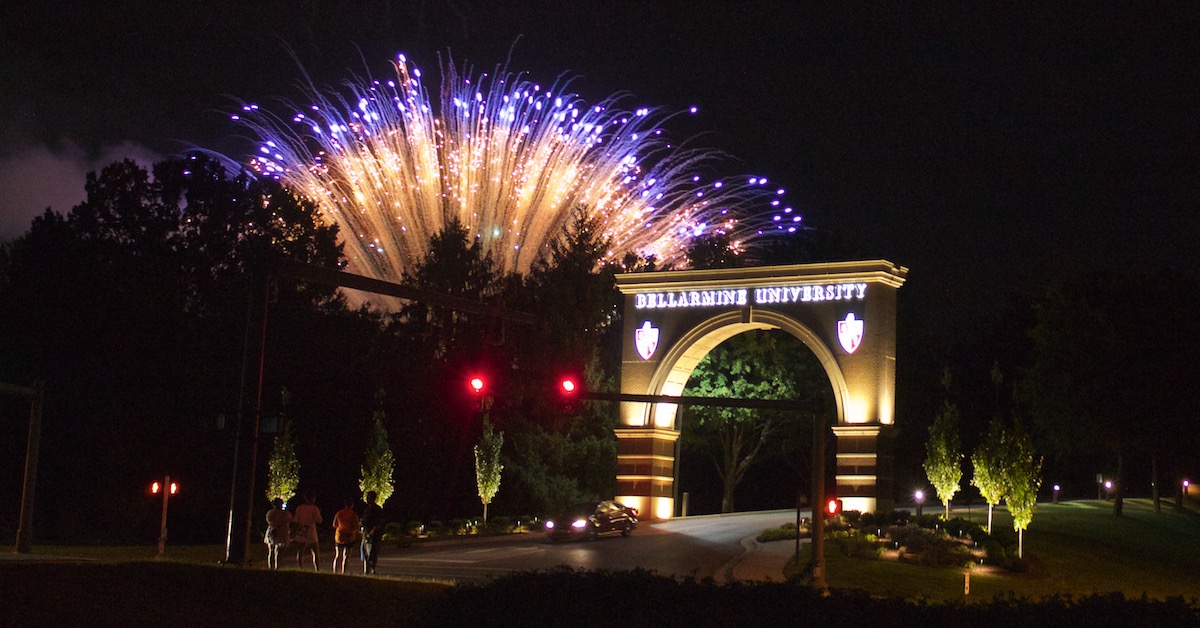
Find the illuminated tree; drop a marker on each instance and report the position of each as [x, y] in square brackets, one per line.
[1023, 477]
[283, 469]
[487, 465]
[990, 462]
[380, 464]
[943, 458]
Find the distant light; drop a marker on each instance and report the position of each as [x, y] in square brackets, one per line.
[1057, 487]
[919, 495]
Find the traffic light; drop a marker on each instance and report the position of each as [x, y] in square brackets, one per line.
[476, 384]
[833, 507]
[569, 386]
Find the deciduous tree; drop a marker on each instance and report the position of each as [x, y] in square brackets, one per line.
[487, 465]
[283, 469]
[943, 450]
[990, 465]
[1023, 475]
[380, 463]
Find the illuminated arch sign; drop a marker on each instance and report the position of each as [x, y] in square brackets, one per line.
[736, 297]
[845, 312]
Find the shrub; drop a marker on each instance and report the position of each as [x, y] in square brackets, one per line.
[462, 526]
[414, 529]
[929, 547]
[881, 520]
[784, 532]
[395, 532]
[959, 527]
[501, 525]
[435, 528]
[856, 545]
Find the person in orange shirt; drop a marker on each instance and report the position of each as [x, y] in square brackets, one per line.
[345, 533]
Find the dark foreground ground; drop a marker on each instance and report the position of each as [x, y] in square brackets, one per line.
[59, 593]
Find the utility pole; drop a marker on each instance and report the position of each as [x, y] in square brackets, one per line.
[818, 505]
[36, 395]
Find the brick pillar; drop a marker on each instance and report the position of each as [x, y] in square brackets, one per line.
[646, 470]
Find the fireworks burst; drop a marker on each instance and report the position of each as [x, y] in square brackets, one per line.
[510, 160]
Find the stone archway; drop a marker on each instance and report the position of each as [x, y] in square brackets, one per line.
[844, 312]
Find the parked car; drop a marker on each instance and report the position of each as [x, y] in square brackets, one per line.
[591, 519]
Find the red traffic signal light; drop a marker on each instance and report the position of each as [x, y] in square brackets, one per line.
[833, 506]
[568, 385]
[476, 384]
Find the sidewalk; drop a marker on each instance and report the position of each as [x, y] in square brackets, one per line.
[760, 562]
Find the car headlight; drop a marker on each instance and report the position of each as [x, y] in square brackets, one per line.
[549, 525]
[579, 523]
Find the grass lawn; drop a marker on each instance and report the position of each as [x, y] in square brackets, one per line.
[1075, 548]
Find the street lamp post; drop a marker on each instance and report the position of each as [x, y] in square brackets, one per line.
[919, 498]
[167, 488]
[1057, 488]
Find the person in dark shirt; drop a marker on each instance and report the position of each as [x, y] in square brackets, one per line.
[372, 532]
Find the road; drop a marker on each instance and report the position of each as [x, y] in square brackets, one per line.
[701, 547]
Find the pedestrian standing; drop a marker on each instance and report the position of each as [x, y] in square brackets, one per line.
[278, 521]
[345, 532]
[372, 531]
[307, 516]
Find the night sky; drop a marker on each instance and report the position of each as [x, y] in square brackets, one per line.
[985, 147]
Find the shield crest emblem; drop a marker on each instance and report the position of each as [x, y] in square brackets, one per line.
[850, 333]
[645, 339]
